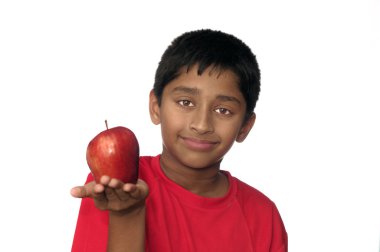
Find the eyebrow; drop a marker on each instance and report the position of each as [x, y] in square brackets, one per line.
[228, 98]
[195, 91]
[188, 90]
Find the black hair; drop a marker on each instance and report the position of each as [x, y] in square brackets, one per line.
[207, 48]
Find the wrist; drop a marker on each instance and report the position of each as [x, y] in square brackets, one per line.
[131, 211]
[126, 229]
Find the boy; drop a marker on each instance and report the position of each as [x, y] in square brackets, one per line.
[205, 91]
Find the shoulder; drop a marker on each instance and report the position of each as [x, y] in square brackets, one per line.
[252, 201]
[261, 213]
[149, 167]
[145, 161]
[148, 162]
[250, 194]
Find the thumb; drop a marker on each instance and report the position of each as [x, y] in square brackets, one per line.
[79, 192]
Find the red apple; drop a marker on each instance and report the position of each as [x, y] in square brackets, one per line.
[115, 153]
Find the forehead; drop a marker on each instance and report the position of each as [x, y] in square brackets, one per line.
[216, 77]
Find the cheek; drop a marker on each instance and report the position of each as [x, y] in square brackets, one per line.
[172, 118]
[229, 131]
[171, 125]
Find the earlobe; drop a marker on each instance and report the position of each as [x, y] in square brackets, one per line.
[154, 108]
[246, 128]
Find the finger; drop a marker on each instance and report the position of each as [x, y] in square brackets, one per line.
[99, 194]
[111, 194]
[82, 191]
[104, 180]
[98, 188]
[138, 191]
[100, 200]
[119, 192]
[115, 183]
[79, 192]
[129, 187]
[112, 188]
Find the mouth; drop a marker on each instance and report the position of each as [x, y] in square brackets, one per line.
[198, 144]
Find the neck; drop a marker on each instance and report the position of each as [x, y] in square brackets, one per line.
[206, 182]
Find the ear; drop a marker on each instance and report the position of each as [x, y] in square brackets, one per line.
[246, 128]
[154, 108]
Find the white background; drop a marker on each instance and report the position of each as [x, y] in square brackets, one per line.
[65, 66]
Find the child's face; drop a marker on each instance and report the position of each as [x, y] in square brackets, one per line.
[200, 117]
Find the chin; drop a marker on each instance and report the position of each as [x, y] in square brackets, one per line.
[200, 160]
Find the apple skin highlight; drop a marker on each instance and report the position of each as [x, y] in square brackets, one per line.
[115, 153]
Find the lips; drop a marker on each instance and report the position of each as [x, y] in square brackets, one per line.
[199, 144]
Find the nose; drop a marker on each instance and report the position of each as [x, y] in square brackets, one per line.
[201, 121]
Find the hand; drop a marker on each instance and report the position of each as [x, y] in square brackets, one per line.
[112, 194]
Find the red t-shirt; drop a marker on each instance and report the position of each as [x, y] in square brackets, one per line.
[179, 220]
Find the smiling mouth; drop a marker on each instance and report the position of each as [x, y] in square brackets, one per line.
[198, 144]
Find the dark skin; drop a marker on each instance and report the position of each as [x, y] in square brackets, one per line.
[126, 205]
[211, 186]
[199, 124]
[201, 117]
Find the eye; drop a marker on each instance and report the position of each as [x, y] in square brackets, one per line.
[185, 103]
[223, 111]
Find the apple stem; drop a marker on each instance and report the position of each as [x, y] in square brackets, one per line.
[106, 123]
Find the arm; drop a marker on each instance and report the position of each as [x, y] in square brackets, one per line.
[127, 220]
[126, 205]
[127, 231]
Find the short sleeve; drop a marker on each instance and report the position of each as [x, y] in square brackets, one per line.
[279, 234]
[91, 232]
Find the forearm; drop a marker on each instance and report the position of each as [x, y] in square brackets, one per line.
[127, 231]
